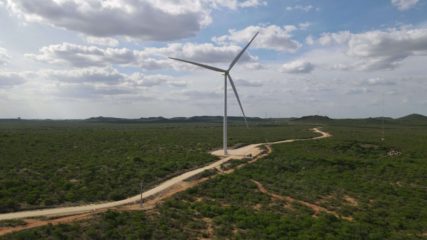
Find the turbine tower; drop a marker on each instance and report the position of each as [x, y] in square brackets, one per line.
[227, 76]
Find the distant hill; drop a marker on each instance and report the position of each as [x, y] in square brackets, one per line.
[413, 117]
[378, 120]
[213, 119]
[312, 118]
[103, 119]
[416, 119]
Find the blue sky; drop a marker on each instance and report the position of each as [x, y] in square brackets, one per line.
[78, 59]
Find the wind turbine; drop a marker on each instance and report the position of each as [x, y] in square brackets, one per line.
[226, 76]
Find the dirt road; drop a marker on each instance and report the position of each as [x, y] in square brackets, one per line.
[239, 153]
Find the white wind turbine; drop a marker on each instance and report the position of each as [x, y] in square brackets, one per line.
[226, 76]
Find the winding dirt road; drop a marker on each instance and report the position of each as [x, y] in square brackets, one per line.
[252, 149]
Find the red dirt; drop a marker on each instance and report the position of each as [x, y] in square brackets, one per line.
[316, 208]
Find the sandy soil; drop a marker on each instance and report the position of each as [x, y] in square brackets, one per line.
[151, 197]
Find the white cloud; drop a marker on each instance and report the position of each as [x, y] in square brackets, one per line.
[304, 8]
[358, 91]
[252, 3]
[380, 82]
[148, 58]
[386, 49]
[298, 67]
[253, 66]
[309, 40]
[205, 52]
[294, 93]
[235, 4]
[304, 25]
[202, 94]
[140, 79]
[84, 82]
[342, 66]
[86, 75]
[178, 84]
[334, 38]
[4, 58]
[107, 41]
[84, 91]
[141, 19]
[379, 49]
[376, 81]
[83, 56]
[246, 83]
[403, 5]
[9, 79]
[270, 37]
[107, 77]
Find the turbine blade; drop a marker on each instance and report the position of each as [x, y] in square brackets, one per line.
[241, 52]
[200, 65]
[238, 99]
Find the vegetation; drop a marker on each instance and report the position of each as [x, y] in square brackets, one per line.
[377, 188]
[47, 163]
[12, 223]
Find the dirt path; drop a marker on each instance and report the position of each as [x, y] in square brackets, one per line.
[254, 150]
[288, 199]
[167, 188]
[33, 223]
[148, 204]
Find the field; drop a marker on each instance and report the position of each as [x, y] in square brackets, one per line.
[51, 163]
[350, 186]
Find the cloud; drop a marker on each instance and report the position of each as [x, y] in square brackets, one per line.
[342, 67]
[235, 4]
[334, 38]
[201, 94]
[84, 56]
[207, 52]
[273, 37]
[379, 49]
[140, 19]
[88, 83]
[10, 79]
[298, 67]
[376, 81]
[108, 76]
[254, 66]
[304, 25]
[387, 49]
[4, 58]
[304, 8]
[107, 41]
[148, 58]
[80, 91]
[358, 91]
[246, 83]
[403, 5]
[140, 79]
[178, 84]
[309, 40]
